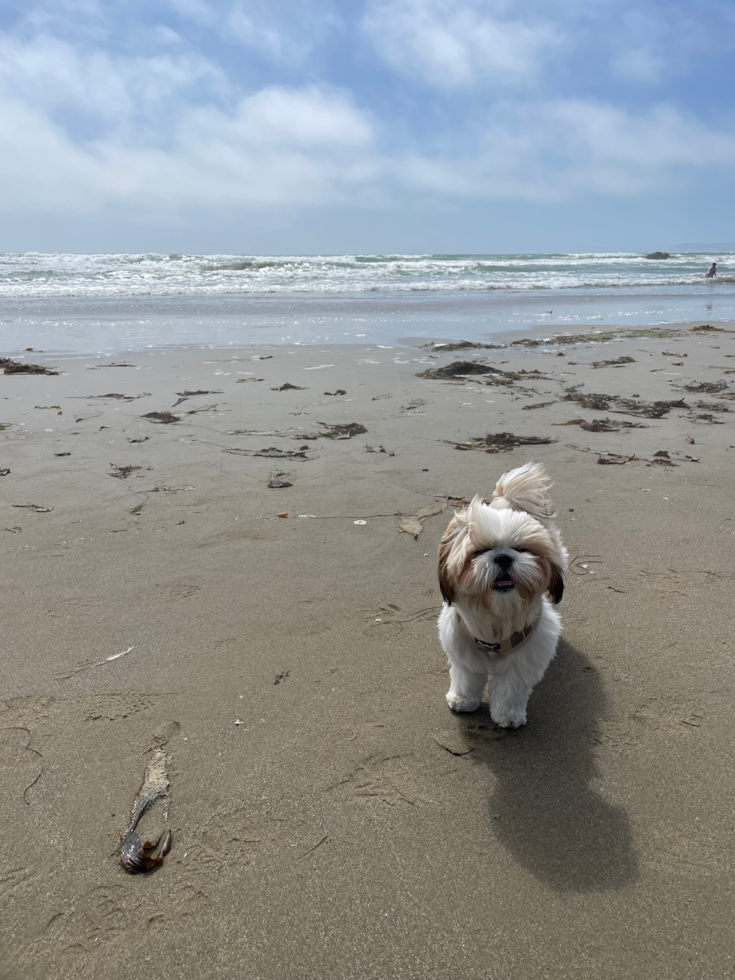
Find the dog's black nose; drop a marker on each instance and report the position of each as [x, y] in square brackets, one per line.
[505, 561]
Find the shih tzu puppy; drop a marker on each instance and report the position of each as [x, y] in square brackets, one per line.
[501, 572]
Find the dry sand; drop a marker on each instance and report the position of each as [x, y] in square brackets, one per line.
[350, 826]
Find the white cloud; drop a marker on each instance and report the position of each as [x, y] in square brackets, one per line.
[638, 65]
[279, 147]
[196, 10]
[169, 134]
[261, 36]
[50, 74]
[450, 43]
[559, 150]
[282, 117]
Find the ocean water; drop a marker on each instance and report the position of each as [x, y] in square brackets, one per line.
[85, 304]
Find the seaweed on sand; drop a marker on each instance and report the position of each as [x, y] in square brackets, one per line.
[22, 367]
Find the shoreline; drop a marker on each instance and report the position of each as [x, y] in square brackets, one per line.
[330, 816]
[538, 336]
[72, 326]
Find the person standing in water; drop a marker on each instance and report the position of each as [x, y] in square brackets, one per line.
[712, 271]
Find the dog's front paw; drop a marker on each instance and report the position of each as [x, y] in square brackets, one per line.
[509, 717]
[459, 702]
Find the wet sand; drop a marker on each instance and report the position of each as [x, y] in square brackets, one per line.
[342, 823]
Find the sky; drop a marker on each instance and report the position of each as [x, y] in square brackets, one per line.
[316, 126]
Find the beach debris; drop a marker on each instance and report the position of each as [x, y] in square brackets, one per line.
[283, 433]
[649, 410]
[579, 564]
[703, 417]
[162, 418]
[262, 357]
[279, 481]
[604, 457]
[27, 748]
[143, 439]
[98, 663]
[20, 367]
[626, 406]
[706, 327]
[341, 430]
[707, 387]
[243, 380]
[283, 513]
[527, 408]
[36, 508]
[5, 472]
[122, 472]
[671, 353]
[184, 395]
[339, 391]
[414, 523]
[271, 452]
[13, 530]
[378, 449]
[452, 743]
[136, 855]
[62, 454]
[712, 407]
[162, 488]
[289, 387]
[458, 369]
[200, 391]
[603, 425]
[413, 405]
[610, 459]
[411, 525]
[662, 458]
[380, 398]
[460, 345]
[617, 362]
[500, 442]
[281, 677]
[166, 418]
[113, 394]
[47, 406]
[360, 523]
[598, 402]
[111, 364]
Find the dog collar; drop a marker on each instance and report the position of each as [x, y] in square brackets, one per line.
[504, 647]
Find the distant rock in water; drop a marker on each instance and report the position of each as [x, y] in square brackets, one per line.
[658, 255]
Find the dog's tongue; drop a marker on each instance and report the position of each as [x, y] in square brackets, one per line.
[505, 581]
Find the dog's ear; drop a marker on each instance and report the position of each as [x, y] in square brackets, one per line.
[556, 584]
[457, 527]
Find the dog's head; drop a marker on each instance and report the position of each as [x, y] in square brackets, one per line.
[500, 559]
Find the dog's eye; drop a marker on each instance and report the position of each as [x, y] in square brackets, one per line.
[521, 551]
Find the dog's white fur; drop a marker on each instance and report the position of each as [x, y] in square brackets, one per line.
[515, 524]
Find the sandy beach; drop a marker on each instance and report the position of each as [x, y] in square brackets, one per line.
[330, 817]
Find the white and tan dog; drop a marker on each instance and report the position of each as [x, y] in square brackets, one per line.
[501, 567]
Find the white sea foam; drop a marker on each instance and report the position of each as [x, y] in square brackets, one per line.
[33, 274]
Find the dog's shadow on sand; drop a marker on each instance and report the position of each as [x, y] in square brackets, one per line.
[543, 809]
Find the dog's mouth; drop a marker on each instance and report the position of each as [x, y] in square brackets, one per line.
[504, 584]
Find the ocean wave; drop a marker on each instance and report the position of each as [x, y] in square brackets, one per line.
[34, 274]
